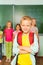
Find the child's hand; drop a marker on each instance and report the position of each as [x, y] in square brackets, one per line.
[25, 48]
[20, 47]
[32, 44]
[22, 51]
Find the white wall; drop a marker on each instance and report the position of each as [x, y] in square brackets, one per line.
[28, 2]
[22, 2]
[6, 2]
[41, 46]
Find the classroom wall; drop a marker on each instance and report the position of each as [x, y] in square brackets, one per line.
[6, 13]
[41, 45]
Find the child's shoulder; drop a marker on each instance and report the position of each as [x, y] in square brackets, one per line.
[20, 33]
[36, 29]
[12, 29]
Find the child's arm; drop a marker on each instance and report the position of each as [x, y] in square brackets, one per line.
[4, 34]
[33, 48]
[15, 46]
[1, 35]
[13, 36]
[38, 38]
[22, 51]
[25, 48]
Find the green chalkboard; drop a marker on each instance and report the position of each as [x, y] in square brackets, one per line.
[34, 11]
[6, 13]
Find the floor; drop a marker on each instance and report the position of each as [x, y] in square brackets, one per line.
[39, 61]
[4, 61]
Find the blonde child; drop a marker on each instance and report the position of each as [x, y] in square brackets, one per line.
[8, 33]
[34, 28]
[1, 41]
[25, 44]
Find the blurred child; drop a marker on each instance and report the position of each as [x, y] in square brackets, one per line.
[1, 41]
[25, 44]
[17, 29]
[34, 28]
[8, 33]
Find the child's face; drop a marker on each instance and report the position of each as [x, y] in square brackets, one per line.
[9, 24]
[17, 27]
[25, 26]
[33, 22]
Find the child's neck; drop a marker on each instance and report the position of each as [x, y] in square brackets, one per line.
[17, 30]
[8, 28]
[25, 33]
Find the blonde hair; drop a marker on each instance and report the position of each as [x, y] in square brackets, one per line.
[25, 18]
[8, 22]
[35, 20]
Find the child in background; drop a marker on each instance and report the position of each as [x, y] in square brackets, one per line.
[1, 41]
[25, 44]
[34, 28]
[17, 29]
[8, 33]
